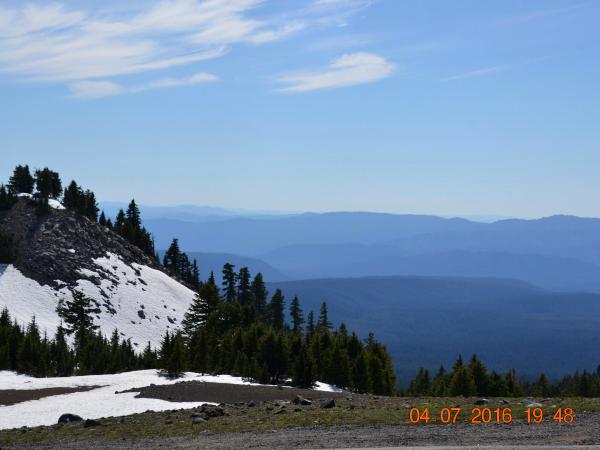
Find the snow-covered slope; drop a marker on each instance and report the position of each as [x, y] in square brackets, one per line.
[141, 302]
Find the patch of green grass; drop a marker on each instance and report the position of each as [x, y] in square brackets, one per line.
[359, 410]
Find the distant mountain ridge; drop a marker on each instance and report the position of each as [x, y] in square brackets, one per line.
[558, 252]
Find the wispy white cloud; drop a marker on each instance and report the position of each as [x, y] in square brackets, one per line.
[348, 70]
[477, 73]
[97, 89]
[88, 49]
[94, 89]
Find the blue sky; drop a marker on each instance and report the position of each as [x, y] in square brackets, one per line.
[423, 106]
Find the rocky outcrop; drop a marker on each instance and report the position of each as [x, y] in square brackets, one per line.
[55, 247]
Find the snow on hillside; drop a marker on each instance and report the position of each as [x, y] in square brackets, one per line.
[141, 302]
[100, 402]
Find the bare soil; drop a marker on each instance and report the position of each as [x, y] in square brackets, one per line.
[197, 391]
[13, 396]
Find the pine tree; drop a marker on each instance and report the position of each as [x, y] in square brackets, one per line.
[102, 219]
[303, 371]
[61, 355]
[461, 383]
[260, 295]
[244, 293]
[21, 181]
[229, 283]
[277, 308]
[297, 316]
[77, 315]
[133, 215]
[7, 198]
[196, 315]
[48, 183]
[479, 374]
[324, 323]
[172, 257]
[176, 363]
[421, 383]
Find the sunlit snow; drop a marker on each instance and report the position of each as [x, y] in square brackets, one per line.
[101, 402]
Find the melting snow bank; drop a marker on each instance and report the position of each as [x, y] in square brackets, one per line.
[141, 302]
[101, 402]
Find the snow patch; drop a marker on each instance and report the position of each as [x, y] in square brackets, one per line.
[53, 203]
[100, 402]
[120, 291]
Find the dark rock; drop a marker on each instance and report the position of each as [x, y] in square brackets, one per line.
[481, 401]
[299, 400]
[212, 411]
[251, 404]
[89, 423]
[198, 420]
[328, 404]
[68, 418]
[141, 314]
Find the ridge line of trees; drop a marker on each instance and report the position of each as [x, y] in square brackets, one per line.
[474, 379]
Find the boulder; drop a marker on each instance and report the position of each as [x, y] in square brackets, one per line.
[299, 400]
[198, 420]
[328, 404]
[481, 401]
[68, 418]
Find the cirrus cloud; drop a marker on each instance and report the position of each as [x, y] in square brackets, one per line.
[348, 70]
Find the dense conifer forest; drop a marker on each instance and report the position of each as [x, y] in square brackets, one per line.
[472, 378]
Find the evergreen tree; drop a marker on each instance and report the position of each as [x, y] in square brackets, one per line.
[172, 257]
[7, 198]
[229, 283]
[324, 323]
[48, 183]
[244, 293]
[21, 181]
[461, 383]
[260, 295]
[439, 385]
[61, 355]
[421, 384]
[102, 219]
[197, 314]
[479, 374]
[176, 362]
[77, 315]
[541, 387]
[277, 308]
[297, 316]
[303, 371]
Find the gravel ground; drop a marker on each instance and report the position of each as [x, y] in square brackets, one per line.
[196, 391]
[12, 396]
[585, 432]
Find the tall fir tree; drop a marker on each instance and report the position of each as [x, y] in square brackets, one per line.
[229, 283]
[277, 308]
[21, 181]
[324, 323]
[296, 315]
